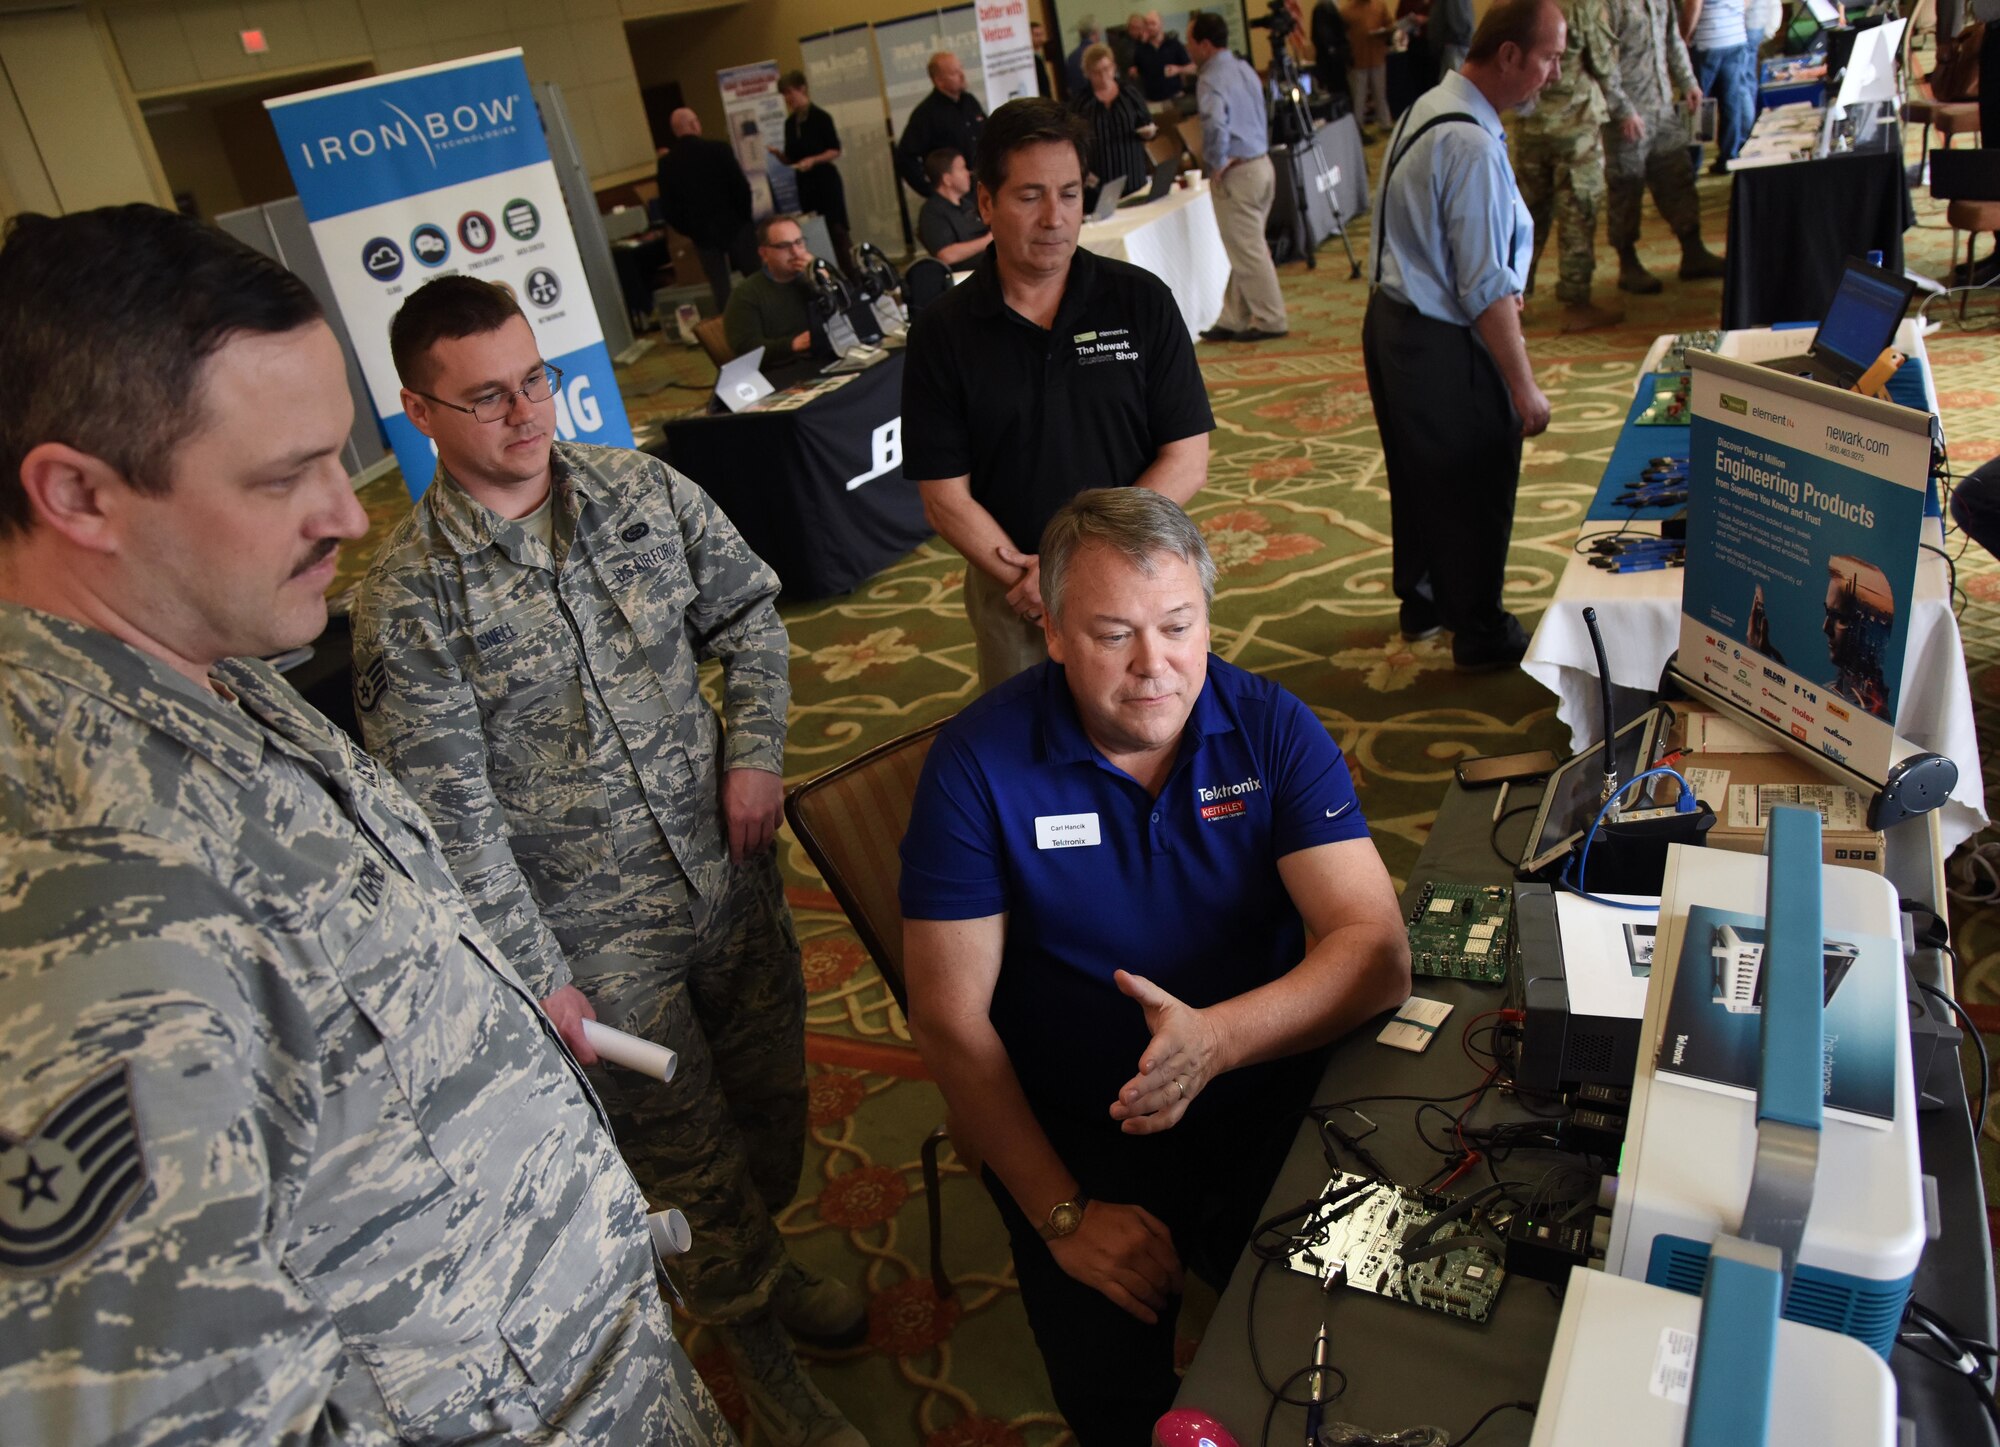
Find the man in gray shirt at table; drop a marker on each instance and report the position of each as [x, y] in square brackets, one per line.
[1235, 142]
[950, 225]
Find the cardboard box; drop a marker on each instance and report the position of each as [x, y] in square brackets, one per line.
[1741, 788]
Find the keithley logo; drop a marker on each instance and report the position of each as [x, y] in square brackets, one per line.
[1221, 801]
[434, 131]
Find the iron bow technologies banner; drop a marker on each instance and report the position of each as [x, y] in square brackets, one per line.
[1804, 511]
[439, 171]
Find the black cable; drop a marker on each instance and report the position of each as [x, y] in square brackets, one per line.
[1489, 1414]
[1976, 1376]
[1493, 835]
[1979, 1044]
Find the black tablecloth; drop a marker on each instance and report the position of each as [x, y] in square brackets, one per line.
[792, 481]
[1792, 228]
[1339, 146]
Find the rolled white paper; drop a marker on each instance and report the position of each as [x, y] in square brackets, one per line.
[630, 1051]
[670, 1232]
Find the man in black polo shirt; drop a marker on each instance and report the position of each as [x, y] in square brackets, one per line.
[950, 225]
[949, 117]
[706, 198]
[1048, 371]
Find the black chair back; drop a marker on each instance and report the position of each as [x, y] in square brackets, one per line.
[925, 281]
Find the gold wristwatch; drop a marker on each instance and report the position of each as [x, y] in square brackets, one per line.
[1064, 1217]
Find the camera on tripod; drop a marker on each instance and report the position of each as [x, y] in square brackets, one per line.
[1279, 22]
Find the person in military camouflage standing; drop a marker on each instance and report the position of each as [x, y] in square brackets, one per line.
[526, 649]
[287, 1151]
[1559, 158]
[1650, 147]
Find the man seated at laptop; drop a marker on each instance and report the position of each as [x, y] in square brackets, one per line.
[950, 225]
[1113, 864]
[772, 307]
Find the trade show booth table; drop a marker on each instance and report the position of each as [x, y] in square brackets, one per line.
[1404, 1366]
[1640, 613]
[816, 490]
[1176, 239]
[1793, 226]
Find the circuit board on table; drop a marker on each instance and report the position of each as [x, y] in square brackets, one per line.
[1674, 359]
[1669, 407]
[1365, 1234]
[1462, 932]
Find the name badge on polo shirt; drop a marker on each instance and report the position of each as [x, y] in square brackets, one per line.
[1066, 831]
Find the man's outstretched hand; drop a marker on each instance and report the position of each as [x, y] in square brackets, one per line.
[1181, 1058]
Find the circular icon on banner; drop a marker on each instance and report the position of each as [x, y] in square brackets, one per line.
[475, 231]
[543, 288]
[430, 245]
[382, 259]
[521, 219]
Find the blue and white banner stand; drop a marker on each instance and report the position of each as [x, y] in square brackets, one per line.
[1805, 508]
[438, 171]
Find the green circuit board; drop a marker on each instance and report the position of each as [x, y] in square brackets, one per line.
[1462, 932]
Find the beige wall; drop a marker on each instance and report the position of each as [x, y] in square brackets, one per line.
[171, 46]
[70, 135]
[190, 150]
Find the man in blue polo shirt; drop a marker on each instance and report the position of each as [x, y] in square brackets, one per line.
[1110, 870]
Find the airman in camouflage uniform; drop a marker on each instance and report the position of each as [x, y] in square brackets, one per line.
[287, 1151]
[1559, 158]
[534, 683]
[1659, 82]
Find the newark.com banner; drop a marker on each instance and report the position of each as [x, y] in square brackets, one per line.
[1805, 506]
[439, 171]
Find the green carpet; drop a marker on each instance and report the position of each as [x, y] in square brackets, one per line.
[1297, 514]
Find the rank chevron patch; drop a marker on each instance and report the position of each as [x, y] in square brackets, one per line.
[71, 1178]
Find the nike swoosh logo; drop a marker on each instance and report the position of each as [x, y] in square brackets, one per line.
[1336, 813]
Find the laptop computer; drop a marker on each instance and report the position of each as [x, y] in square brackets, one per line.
[1107, 200]
[1163, 182]
[742, 383]
[1860, 322]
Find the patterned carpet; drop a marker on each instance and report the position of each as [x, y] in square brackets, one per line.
[1297, 514]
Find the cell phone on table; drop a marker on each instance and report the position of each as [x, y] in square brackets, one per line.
[1490, 769]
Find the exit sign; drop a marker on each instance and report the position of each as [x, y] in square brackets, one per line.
[254, 42]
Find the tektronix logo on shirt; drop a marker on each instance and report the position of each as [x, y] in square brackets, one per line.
[1220, 801]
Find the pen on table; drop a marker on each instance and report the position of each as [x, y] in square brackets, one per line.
[1319, 1389]
[1501, 802]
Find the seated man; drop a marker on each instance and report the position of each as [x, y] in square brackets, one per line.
[950, 225]
[772, 307]
[1110, 870]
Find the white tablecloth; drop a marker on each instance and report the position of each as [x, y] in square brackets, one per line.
[1640, 615]
[1176, 239]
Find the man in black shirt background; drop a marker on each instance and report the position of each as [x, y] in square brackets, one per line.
[1160, 63]
[706, 197]
[950, 225]
[1047, 371]
[812, 145]
[948, 118]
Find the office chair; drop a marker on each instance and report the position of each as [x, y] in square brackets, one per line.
[925, 281]
[851, 820]
[714, 340]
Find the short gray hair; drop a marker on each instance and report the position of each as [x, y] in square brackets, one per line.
[1137, 522]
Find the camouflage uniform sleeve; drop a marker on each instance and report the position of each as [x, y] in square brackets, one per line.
[734, 617]
[1601, 55]
[1679, 65]
[420, 719]
[159, 1097]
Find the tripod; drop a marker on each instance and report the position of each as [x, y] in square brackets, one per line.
[1291, 107]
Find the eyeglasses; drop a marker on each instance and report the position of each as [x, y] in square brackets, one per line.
[797, 243]
[494, 406]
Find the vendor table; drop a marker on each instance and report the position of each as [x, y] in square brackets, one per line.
[1640, 613]
[1176, 239]
[817, 491]
[1406, 1366]
[1792, 228]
